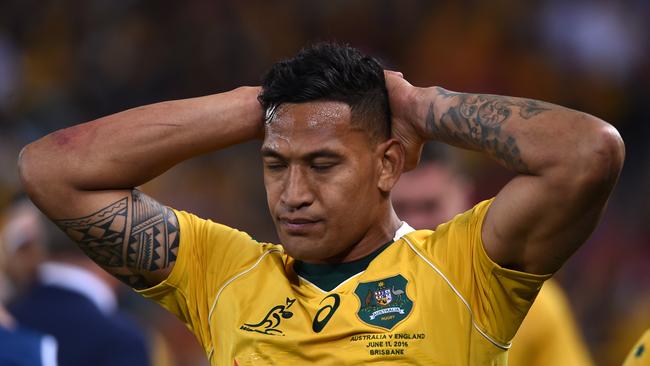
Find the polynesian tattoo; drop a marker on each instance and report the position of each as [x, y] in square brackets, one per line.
[475, 122]
[128, 237]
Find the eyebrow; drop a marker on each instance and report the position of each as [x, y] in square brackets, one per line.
[322, 153]
[269, 152]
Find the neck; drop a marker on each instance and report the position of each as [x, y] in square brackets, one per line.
[376, 236]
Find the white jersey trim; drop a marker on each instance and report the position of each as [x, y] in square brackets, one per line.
[233, 278]
[504, 346]
[403, 230]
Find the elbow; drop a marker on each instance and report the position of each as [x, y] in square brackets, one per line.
[609, 153]
[27, 171]
[602, 158]
[45, 175]
[37, 171]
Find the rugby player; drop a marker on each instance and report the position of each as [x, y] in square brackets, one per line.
[351, 283]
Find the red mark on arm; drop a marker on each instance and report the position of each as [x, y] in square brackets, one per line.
[71, 136]
[63, 137]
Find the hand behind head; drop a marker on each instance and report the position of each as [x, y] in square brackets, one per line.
[406, 126]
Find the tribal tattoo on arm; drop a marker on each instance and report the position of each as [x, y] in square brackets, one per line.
[128, 238]
[475, 121]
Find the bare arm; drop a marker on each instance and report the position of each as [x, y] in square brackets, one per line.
[84, 177]
[567, 163]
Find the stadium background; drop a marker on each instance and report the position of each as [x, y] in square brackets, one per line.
[64, 62]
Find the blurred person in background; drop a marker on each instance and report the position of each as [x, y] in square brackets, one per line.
[24, 237]
[18, 345]
[332, 152]
[435, 192]
[69, 296]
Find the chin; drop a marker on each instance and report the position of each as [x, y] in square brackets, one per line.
[304, 249]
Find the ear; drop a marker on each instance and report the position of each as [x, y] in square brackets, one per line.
[391, 160]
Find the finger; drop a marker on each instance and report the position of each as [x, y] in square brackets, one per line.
[396, 73]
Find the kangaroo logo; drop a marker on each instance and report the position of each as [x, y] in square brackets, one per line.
[269, 325]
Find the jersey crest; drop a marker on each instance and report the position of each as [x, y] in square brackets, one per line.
[384, 303]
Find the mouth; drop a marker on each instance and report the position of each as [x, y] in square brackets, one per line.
[298, 226]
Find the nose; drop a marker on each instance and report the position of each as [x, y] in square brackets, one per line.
[297, 192]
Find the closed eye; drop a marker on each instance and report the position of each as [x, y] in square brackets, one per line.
[323, 167]
[274, 165]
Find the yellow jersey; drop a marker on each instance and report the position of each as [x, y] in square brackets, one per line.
[427, 298]
[640, 353]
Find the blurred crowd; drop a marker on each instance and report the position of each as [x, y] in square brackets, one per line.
[63, 62]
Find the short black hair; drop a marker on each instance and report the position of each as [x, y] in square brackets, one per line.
[332, 72]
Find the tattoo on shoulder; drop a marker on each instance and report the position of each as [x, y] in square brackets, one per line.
[476, 119]
[132, 235]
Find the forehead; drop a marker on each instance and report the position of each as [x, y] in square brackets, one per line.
[301, 127]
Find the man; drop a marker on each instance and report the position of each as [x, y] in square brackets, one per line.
[433, 194]
[69, 297]
[20, 346]
[351, 283]
[25, 243]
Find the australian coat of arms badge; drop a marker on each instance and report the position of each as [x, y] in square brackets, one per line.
[384, 303]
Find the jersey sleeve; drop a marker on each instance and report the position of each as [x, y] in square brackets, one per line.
[209, 255]
[498, 297]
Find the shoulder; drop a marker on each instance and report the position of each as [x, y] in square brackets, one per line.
[459, 234]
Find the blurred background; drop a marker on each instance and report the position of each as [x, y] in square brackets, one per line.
[63, 62]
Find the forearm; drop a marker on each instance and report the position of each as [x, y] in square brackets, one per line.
[127, 149]
[567, 163]
[525, 135]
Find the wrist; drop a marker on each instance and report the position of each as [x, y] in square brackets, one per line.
[427, 110]
[250, 109]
